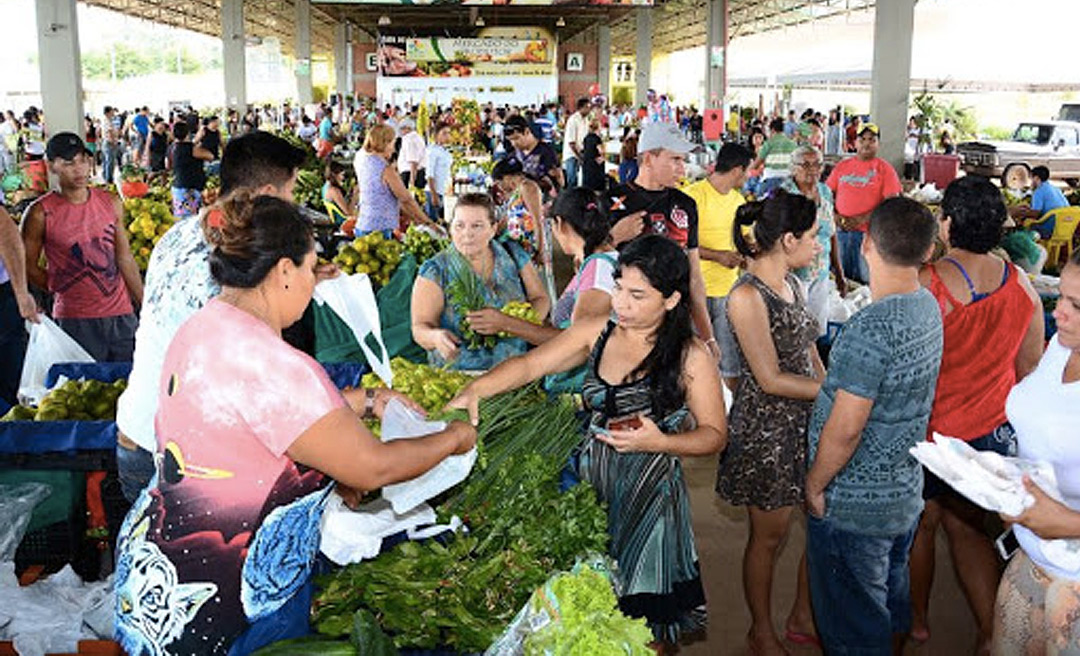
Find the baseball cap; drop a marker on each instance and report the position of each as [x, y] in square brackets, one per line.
[667, 136]
[872, 127]
[407, 123]
[64, 145]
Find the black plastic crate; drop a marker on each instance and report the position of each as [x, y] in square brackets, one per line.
[52, 546]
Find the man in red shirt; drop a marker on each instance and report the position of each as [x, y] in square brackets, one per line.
[859, 184]
[91, 273]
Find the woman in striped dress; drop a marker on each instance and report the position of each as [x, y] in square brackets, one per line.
[652, 390]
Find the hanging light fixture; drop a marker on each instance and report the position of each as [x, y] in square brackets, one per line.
[480, 21]
[384, 20]
[560, 22]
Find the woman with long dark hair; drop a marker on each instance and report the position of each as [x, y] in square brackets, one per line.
[335, 200]
[652, 390]
[764, 467]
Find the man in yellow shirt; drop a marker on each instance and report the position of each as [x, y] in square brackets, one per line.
[717, 198]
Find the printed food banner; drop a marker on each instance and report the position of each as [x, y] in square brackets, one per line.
[490, 3]
[408, 56]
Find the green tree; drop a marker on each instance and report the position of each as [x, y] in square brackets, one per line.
[125, 61]
[933, 115]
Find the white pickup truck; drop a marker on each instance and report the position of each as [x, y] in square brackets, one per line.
[1053, 144]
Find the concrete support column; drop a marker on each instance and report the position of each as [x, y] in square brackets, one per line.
[341, 59]
[350, 34]
[894, 23]
[603, 59]
[60, 65]
[716, 39]
[233, 54]
[303, 52]
[643, 65]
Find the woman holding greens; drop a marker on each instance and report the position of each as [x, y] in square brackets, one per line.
[651, 389]
[473, 273]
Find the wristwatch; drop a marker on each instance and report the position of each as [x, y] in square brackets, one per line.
[369, 403]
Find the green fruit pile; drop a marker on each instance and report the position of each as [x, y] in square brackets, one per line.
[422, 244]
[430, 387]
[520, 310]
[371, 254]
[78, 400]
[308, 189]
[146, 220]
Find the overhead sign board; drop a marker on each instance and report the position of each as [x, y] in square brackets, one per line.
[409, 56]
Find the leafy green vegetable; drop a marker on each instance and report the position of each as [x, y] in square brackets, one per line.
[368, 638]
[587, 620]
[462, 594]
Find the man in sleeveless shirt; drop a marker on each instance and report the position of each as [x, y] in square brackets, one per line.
[90, 270]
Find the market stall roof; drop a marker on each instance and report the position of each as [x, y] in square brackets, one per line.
[423, 19]
[679, 24]
[263, 19]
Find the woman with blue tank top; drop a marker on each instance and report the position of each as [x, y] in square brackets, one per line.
[383, 196]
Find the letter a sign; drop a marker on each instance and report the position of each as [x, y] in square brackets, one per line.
[575, 61]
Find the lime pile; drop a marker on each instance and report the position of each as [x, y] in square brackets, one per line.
[520, 310]
[146, 220]
[430, 387]
[79, 400]
[422, 244]
[371, 254]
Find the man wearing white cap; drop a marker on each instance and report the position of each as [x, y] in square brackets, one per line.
[651, 203]
[412, 156]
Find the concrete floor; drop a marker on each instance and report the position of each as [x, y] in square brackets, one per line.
[721, 531]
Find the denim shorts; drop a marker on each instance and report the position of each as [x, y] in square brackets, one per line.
[730, 361]
[859, 586]
[1001, 440]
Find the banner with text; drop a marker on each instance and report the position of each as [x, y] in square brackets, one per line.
[490, 3]
[410, 56]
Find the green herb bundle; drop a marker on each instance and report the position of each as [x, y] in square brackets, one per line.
[462, 594]
[466, 294]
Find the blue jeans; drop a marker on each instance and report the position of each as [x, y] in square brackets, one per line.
[570, 167]
[851, 257]
[13, 339]
[112, 161]
[288, 622]
[434, 211]
[859, 587]
[135, 468]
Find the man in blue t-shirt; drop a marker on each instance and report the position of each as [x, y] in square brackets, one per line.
[863, 488]
[141, 123]
[1044, 197]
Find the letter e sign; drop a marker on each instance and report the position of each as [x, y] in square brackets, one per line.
[575, 61]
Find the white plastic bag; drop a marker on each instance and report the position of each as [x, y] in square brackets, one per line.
[350, 536]
[17, 504]
[48, 345]
[352, 298]
[399, 422]
[48, 616]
